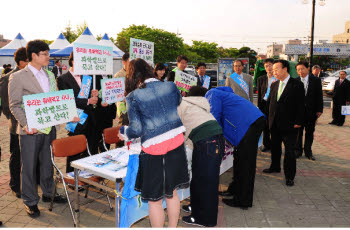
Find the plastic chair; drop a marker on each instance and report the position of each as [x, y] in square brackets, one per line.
[65, 147]
[110, 136]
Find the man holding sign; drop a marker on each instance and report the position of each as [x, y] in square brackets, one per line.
[35, 144]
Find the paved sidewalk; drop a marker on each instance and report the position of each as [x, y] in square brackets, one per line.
[320, 197]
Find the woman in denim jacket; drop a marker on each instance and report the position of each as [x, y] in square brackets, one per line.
[152, 108]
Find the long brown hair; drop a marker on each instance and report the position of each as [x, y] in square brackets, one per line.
[136, 73]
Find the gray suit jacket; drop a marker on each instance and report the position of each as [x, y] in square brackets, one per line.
[238, 90]
[22, 83]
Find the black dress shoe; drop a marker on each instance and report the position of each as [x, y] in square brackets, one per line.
[225, 193]
[265, 149]
[232, 203]
[289, 182]
[270, 170]
[332, 123]
[339, 124]
[57, 199]
[32, 211]
[312, 158]
[187, 208]
[16, 194]
[191, 220]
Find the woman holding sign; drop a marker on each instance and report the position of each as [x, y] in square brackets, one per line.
[152, 108]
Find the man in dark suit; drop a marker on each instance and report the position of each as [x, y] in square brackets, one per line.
[264, 83]
[341, 96]
[286, 115]
[57, 69]
[201, 68]
[21, 59]
[71, 81]
[313, 110]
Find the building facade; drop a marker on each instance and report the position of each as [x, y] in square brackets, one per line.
[343, 38]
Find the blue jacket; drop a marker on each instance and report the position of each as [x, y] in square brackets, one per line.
[152, 110]
[234, 113]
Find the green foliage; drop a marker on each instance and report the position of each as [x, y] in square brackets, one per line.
[49, 42]
[209, 51]
[167, 46]
[71, 35]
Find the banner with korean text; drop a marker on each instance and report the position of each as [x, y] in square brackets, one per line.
[184, 81]
[142, 49]
[113, 90]
[92, 59]
[49, 109]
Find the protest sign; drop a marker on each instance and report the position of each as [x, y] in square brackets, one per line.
[92, 59]
[49, 109]
[141, 49]
[112, 90]
[345, 110]
[184, 81]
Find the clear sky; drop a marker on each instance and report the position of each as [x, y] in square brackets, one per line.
[230, 23]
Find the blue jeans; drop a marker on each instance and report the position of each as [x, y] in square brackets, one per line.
[206, 160]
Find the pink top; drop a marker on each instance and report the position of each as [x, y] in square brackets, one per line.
[165, 146]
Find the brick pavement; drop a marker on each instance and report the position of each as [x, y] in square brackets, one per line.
[320, 197]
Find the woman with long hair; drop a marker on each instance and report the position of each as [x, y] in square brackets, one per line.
[152, 108]
[159, 71]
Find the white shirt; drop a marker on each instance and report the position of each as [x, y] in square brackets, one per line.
[58, 71]
[285, 81]
[42, 78]
[76, 77]
[269, 79]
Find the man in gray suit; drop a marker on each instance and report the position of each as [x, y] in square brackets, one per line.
[237, 89]
[35, 144]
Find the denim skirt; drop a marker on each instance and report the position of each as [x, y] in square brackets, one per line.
[159, 175]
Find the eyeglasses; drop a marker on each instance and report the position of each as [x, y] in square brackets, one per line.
[45, 54]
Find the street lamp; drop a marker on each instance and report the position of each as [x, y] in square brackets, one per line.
[321, 3]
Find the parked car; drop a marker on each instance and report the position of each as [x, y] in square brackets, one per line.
[329, 82]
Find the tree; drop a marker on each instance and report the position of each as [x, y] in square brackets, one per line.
[167, 46]
[209, 51]
[248, 53]
[71, 35]
[49, 42]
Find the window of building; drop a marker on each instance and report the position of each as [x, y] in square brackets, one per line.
[348, 30]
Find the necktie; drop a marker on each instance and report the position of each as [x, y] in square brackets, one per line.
[280, 90]
[304, 82]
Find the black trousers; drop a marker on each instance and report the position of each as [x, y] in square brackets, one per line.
[244, 165]
[15, 163]
[309, 128]
[289, 139]
[336, 113]
[266, 136]
[204, 188]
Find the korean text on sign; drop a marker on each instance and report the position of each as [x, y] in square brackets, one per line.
[112, 90]
[184, 81]
[141, 49]
[92, 59]
[49, 109]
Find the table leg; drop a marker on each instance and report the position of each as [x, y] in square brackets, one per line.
[77, 204]
[117, 205]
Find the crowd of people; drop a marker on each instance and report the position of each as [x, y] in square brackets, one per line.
[166, 119]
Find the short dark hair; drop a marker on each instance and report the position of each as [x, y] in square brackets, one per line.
[316, 67]
[71, 59]
[304, 63]
[57, 61]
[343, 72]
[198, 91]
[36, 46]
[268, 60]
[285, 64]
[199, 64]
[180, 58]
[4, 66]
[125, 56]
[20, 55]
[8, 65]
[239, 61]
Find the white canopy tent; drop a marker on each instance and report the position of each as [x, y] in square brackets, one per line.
[7, 52]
